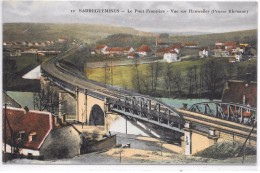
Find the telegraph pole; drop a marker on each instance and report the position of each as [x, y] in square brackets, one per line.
[5, 135]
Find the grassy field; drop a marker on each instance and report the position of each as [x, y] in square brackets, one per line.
[124, 76]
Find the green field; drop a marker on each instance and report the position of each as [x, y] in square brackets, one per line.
[124, 76]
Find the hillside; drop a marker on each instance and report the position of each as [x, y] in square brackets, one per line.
[202, 40]
[210, 39]
[44, 31]
[111, 35]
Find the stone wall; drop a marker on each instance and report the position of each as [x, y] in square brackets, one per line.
[61, 143]
[102, 145]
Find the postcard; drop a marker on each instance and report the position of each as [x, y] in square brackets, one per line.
[129, 83]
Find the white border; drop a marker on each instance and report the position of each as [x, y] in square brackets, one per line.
[144, 168]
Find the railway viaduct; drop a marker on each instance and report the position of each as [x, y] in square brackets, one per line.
[198, 128]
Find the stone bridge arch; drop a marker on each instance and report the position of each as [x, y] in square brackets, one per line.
[97, 116]
[89, 106]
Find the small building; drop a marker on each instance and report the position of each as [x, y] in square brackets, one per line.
[190, 45]
[203, 53]
[230, 45]
[24, 43]
[37, 134]
[101, 49]
[132, 55]
[240, 92]
[143, 50]
[16, 53]
[161, 51]
[62, 40]
[171, 56]
[127, 50]
[219, 43]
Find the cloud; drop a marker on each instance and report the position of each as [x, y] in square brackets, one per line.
[60, 12]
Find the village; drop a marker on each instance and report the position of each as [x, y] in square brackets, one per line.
[235, 51]
[44, 135]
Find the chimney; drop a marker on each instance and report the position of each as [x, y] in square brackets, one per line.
[26, 109]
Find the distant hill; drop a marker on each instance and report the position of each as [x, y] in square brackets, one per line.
[210, 39]
[45, 31]
[112, 35]
[202, 40]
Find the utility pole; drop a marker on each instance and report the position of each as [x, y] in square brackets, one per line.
[5, 135]
[111, 71]
[125, 128]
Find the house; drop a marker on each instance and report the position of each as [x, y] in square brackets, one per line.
[93, 52]
[127, 50]
[238, 50]
[37, 134]
[240, 92]
[42, 44]
[243, 44]
[62, 40]
[132, 55]
[30, 44]
[16, 53]
[230, 45]
[203, 53]
[190, 45]
[161, 51]
[101, 49]
[24, 43]
[219, 44]
[171, 56]
[143, 50]
[220, 51]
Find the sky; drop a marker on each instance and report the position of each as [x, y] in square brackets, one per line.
[60, 12]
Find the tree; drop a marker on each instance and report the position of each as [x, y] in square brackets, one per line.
[154, 69]
[47, 99]
[136, 79]
[213, 77]
[168, 78]
[178, 80]
[9, 72]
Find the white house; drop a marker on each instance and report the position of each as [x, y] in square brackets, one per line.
[203, 53]
[238, 57]
[171, 57]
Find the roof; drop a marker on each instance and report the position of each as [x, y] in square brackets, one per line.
[230, 43]
[144, 48]
[166, 49]
[33, 74]
[190, 44]
[31, 121]
[236, 89]
[100, 46]
[10, 101]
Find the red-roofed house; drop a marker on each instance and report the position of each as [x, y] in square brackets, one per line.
[240, 92]
[143, 50]
[230, 45]
[190, 45]
[161, 51]
[35, 134]
[101, 49]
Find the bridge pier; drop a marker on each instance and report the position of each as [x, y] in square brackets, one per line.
[194, 140]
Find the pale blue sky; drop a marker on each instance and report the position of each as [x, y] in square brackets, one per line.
[60, 12]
